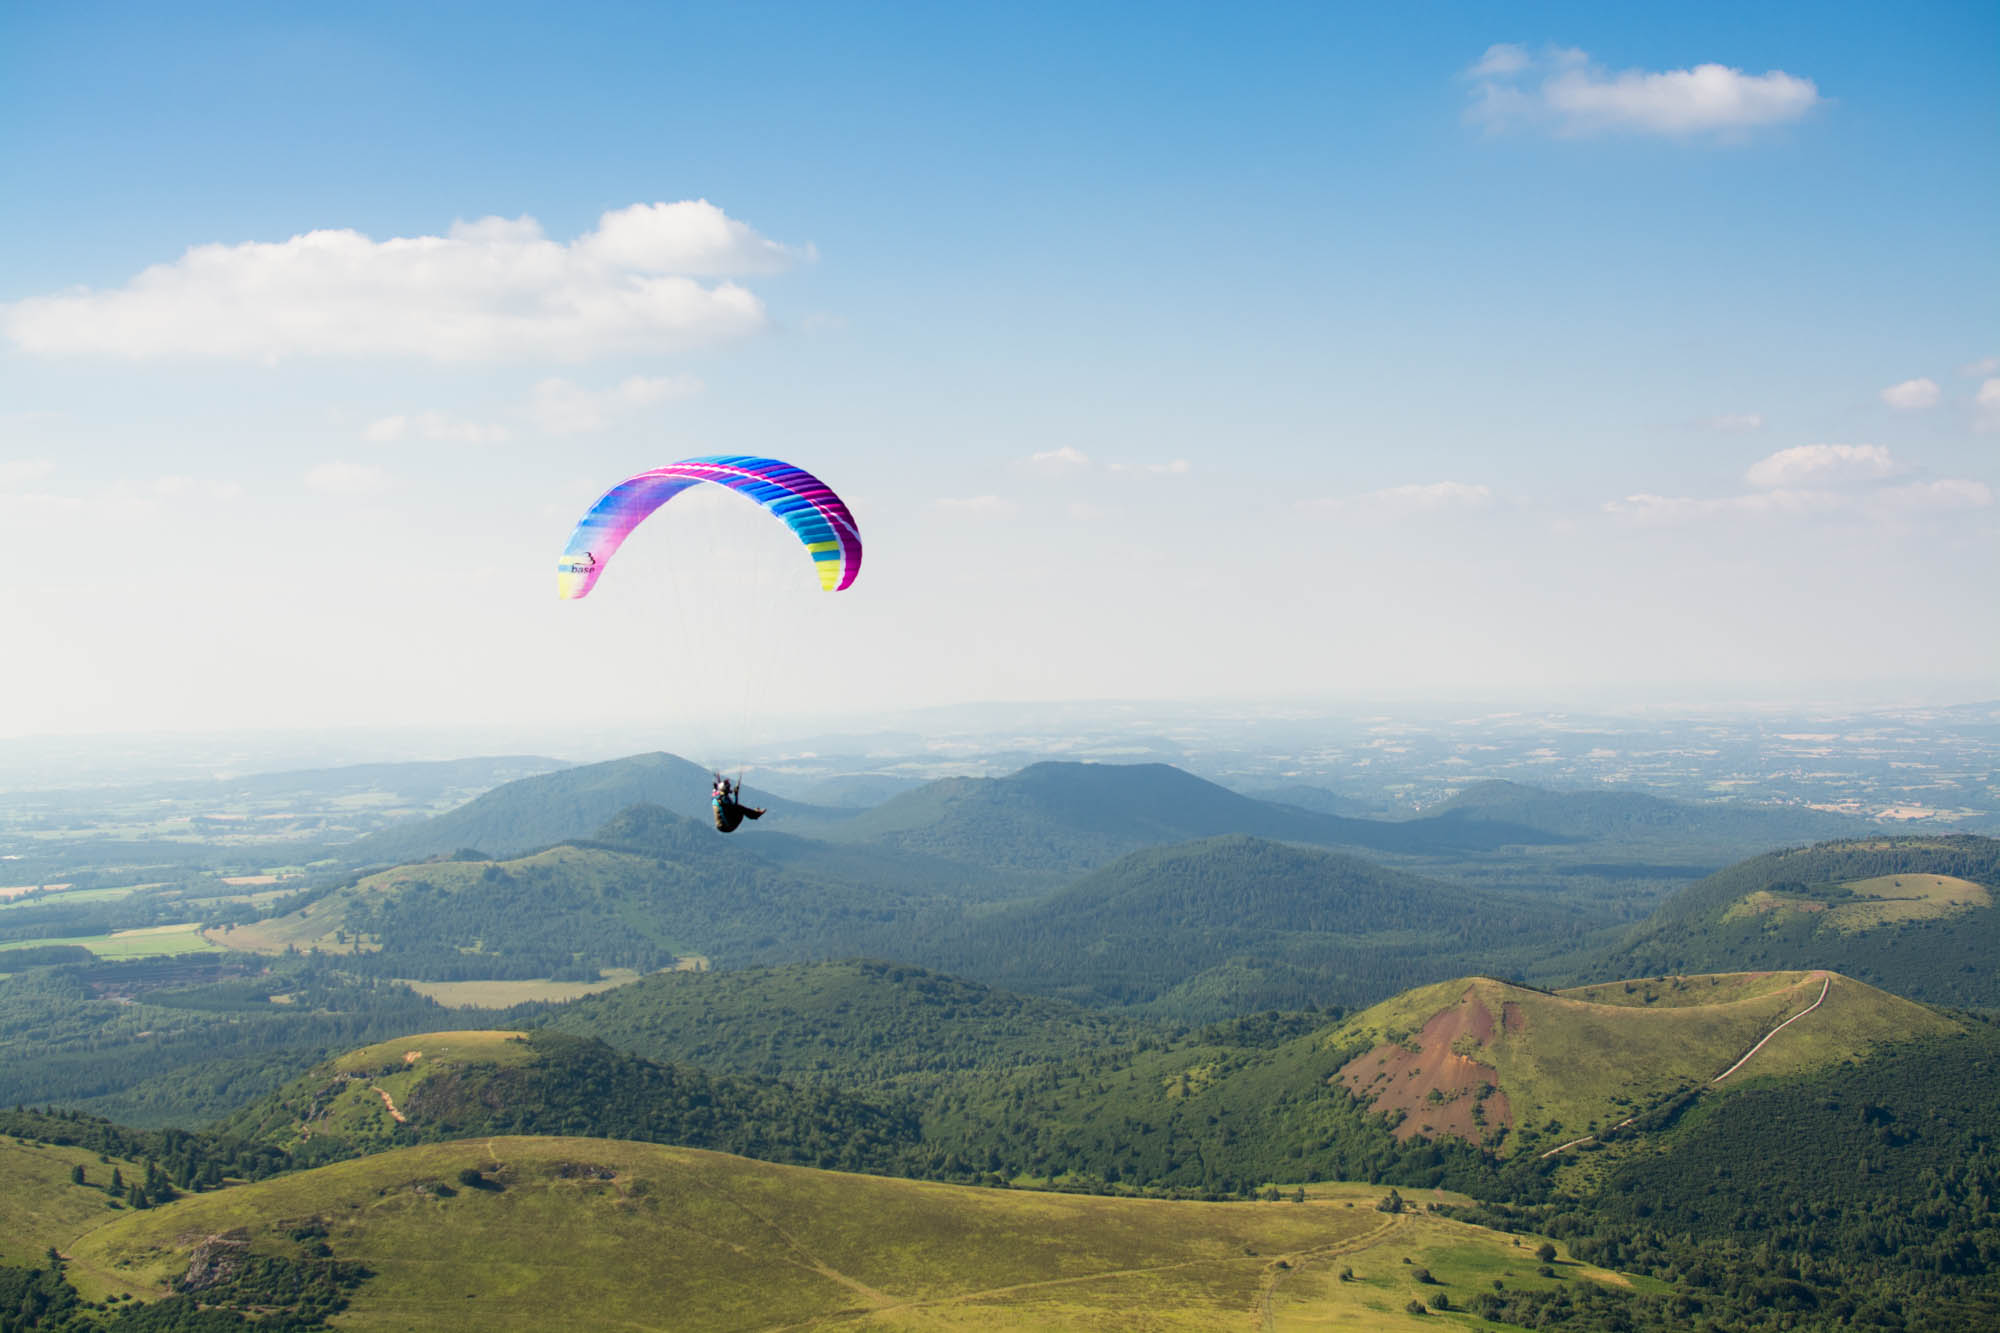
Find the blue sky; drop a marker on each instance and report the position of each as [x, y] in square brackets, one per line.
[1503, 350]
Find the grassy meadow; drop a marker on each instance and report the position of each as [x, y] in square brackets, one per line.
[144, 942]
[41, 1206]
[643, 1237]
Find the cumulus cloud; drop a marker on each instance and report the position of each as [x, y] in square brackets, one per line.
[692, 237]
[347, 480]
[1068, 456]
[563, 407]
[1562, 90]
[1734, 423]
[1852, 479]
[1911, 395]
[1984, 366]
[1821, 464]
[19, 471]
[432, 426]
[1404, 501]
[494, 290]
[1986, 405]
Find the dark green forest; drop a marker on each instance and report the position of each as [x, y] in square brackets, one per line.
[1950, 960]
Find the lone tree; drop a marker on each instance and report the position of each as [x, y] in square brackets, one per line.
[1546, 1252]
[1392, 1204]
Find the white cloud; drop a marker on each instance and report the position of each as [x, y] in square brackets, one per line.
[1502, 60]
[1814, 479]
[1984, 366]
[493, 290]
[1911, 395]
[979, 506]
[432, 426]
[1734, 423]
[347, 479]
[1986, 406]
[17, 471]
[1563, 91]
[1403, 501]
[1665, 509]
[563, 407]
[1821, 464]
[1066, 457]
[1953, 493]
[1177, 467]
[692, 237]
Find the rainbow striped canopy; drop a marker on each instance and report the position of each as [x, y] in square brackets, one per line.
[807, 504]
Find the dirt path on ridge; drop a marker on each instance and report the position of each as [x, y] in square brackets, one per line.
[1268, 1318]
[1826, 985]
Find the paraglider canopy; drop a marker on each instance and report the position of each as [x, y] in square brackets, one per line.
[808, 506]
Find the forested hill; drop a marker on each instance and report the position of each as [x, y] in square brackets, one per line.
[861, 1024]
[1628, 815]
[449, 1085]
[1916, 916]
[1064, 818]
[1228, 925]
[557, 807]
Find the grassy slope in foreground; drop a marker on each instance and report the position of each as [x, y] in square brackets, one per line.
[40, 1205]
[643, 1237]
[1577, 1062]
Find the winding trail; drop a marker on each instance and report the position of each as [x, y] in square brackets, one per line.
[1826, 986]
[1299, 1259]
[389, 1102]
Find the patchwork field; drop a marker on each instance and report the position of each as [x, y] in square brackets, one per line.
[502, 994]
[642, 1237]
[146, 942]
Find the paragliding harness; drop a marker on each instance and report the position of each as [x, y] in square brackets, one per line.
[729, 812]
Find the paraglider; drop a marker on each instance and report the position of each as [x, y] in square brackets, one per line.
[818, 517]
[729, 808]
[808, 506]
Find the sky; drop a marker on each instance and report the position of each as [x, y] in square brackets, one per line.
[1161, 352]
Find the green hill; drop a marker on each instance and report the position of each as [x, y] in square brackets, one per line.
[450, 1085]
[1630, 816]
[1458, 1083]
[1912, 915]
[584, 1232]
[572, 803]
[1235, 924]
[653, 888]
[1525, 1070]
[1065, 818]
[854, 1024]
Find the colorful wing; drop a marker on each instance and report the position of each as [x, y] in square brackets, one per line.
[807, 505]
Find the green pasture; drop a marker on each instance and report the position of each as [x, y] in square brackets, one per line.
[505, 994]
[41, 1206]
[148, 942]
[648, 1237]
